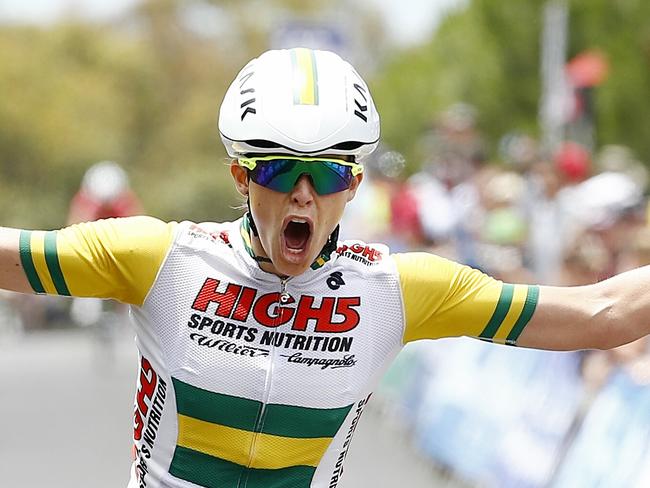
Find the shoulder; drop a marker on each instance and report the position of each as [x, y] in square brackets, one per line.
[206, 234]
[369, 261]
[411, 262]
[121, 231]
[370, 255]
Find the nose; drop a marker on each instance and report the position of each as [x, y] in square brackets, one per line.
[303, 191]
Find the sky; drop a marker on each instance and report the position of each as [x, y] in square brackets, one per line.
[410, 21]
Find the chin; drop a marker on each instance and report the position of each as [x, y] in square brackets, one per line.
[292, 269]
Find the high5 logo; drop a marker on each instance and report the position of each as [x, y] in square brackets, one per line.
[236, 302]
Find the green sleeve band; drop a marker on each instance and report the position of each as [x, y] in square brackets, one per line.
[500, 312]
[53, 265]
[526, 314]
[28, 262]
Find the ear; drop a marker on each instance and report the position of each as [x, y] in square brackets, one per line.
[240, 176]
[356, 181]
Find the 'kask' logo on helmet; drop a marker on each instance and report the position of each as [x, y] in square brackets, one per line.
[247, 92]
[361, 109]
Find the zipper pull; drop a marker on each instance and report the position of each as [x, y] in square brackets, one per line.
[284, 294]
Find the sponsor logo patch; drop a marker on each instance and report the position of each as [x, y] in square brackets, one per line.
[335, 280]
[362, 253]
[150, 401]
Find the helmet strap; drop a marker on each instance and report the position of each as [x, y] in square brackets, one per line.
[332, 243]
[251, 222]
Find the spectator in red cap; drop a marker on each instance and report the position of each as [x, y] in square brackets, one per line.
[573, 162]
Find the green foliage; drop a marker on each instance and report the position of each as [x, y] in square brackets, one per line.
[144, 93]
[488, 55]
[59, 112]
[79, 94]
[472, 58]
[620, 30]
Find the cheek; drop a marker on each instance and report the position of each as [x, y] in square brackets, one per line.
[261, 214]
[334, 208]
[265, 208]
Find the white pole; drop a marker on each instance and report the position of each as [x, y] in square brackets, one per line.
[556, 100]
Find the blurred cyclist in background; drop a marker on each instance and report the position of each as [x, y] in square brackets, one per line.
[105, 192]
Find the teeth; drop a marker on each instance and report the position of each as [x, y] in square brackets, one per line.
[299, 221]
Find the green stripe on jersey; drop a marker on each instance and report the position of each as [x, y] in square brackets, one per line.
[500, 312]
[204, 470]
[27, 261]
[212, 472]
[529, 307]
[302, 422]
[216, 408]
[53, 265]
[242, 413]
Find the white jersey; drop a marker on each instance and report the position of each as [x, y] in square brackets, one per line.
[247, 380]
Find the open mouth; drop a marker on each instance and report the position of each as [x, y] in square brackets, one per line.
[296, 234]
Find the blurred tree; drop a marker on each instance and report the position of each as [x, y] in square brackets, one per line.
[143, 91]
[488, 55]
[61, 110]
[620, 30]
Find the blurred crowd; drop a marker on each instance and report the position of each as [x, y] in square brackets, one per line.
[488, 415]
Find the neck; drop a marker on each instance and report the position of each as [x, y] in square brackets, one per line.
[263, 261]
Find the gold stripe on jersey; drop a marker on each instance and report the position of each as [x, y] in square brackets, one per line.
[237, 446]
[113, 258]
[514, 312]
[447, 299]
[37, 244]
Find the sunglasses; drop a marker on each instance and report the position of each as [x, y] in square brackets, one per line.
[280, 173]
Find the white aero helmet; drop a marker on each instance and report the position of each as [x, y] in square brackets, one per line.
[301, 102]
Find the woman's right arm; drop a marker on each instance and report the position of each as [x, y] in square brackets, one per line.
[12, 274]
[113, 258]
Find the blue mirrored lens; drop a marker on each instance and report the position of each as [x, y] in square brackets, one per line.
[282, 174]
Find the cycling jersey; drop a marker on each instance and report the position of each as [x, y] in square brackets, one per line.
[248, 380]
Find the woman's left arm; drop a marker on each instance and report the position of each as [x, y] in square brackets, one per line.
[599, 316]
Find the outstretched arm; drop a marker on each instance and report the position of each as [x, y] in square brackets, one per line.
[599, 316]
[12, 275]
[114, 258]
[445, 299]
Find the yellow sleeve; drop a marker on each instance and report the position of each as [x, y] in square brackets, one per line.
[113, 258]
[445, 299]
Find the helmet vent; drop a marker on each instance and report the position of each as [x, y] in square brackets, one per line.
[263, 144]
[348, 145]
